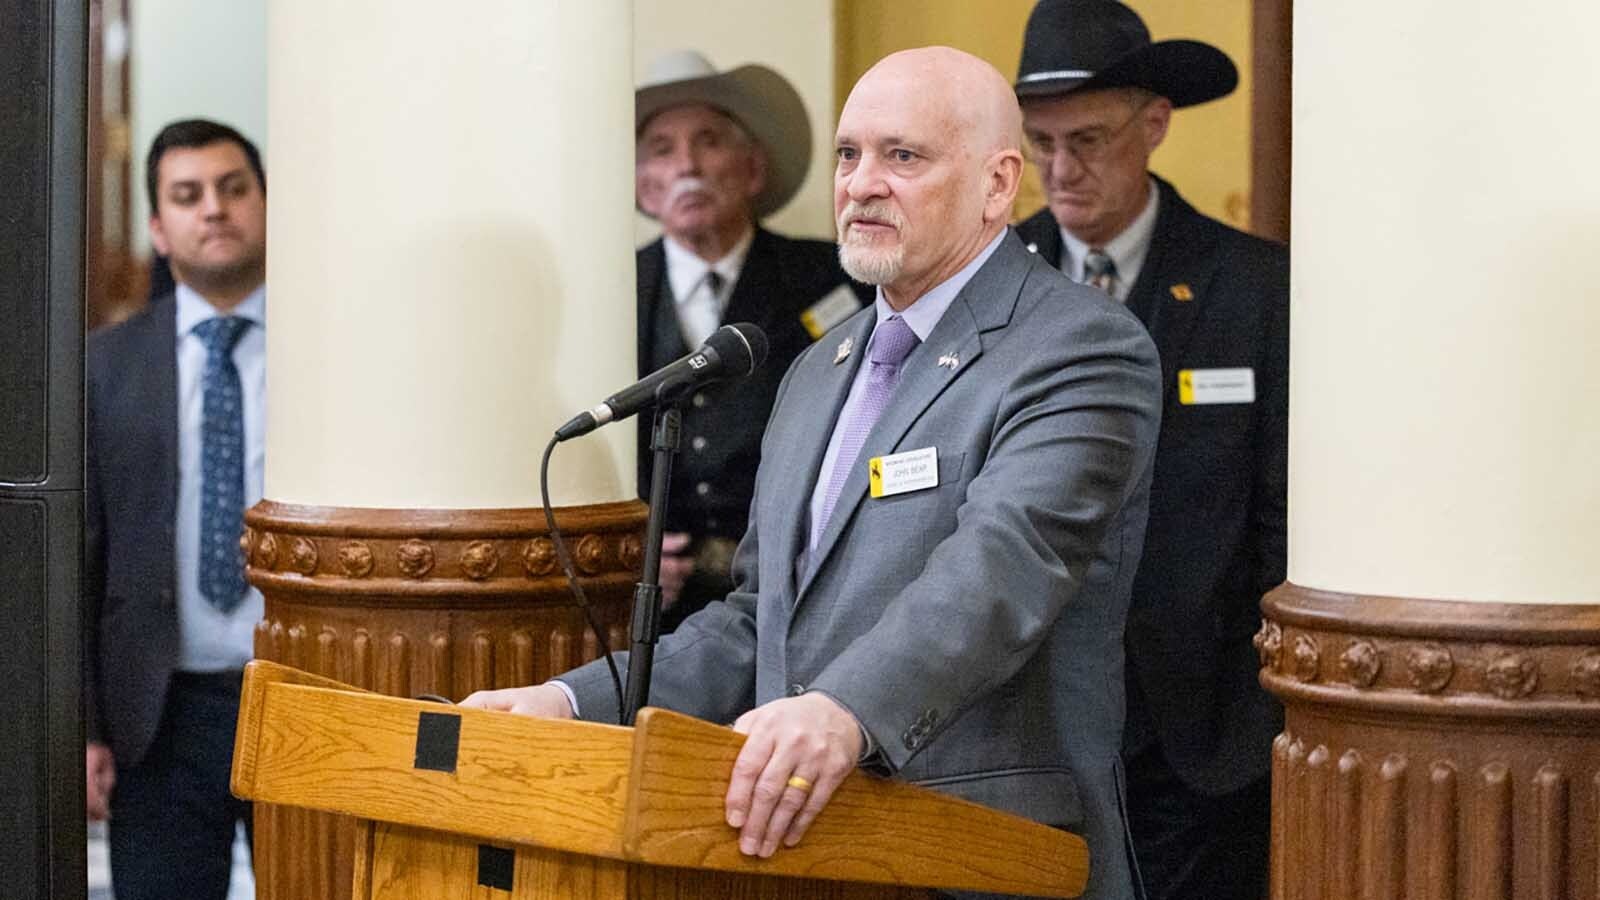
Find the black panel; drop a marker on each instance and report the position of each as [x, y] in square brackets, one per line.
[22, 704]
[24, 259]
[43, 94]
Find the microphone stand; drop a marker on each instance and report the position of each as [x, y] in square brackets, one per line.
[647, 593]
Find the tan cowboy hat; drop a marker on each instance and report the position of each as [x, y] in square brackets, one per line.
[757, 97]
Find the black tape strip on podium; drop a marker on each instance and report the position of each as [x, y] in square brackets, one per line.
[438, 741]
[496, 866]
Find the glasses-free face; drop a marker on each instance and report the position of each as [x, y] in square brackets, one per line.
[697, 172]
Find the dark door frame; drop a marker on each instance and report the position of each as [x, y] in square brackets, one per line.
[43, 157]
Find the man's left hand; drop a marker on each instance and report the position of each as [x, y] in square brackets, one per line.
[793, 743]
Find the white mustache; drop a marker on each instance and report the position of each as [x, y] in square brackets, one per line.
[688, 184]
[880, 212]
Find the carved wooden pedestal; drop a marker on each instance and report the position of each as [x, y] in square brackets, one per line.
[1433, 750]
[412, 602]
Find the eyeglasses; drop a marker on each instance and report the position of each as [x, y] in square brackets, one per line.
[1086, 145]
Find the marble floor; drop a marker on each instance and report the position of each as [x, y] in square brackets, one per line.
[241, 887]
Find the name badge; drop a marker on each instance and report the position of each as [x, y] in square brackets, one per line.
[901, 473]
[1199, 387]
[835, 306]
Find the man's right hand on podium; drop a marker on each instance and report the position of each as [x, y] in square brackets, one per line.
[542, 700]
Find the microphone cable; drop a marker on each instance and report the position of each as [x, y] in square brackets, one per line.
[572, 575]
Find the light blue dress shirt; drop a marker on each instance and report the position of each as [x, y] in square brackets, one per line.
[210, 640]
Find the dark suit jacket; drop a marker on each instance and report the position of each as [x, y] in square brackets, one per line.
[720, 441]
[1216, 538]
[780, 279]
[974, 628]
[130, 598]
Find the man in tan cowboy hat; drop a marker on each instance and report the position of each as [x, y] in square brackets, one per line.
[718, 151]
[1097, 98]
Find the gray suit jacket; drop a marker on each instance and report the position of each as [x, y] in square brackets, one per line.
[975, 628]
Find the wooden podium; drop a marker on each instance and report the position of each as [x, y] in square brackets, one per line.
[464, 803]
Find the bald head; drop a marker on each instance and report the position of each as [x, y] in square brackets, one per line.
[977, 97]
[929, 164]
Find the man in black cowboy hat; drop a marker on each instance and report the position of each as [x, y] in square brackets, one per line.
[1097, 96]
[718, 151]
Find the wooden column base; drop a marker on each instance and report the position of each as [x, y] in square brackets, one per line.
[1433, 749]
[412, 602]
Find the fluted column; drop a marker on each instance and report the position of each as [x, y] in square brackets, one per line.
[1437, 646]
[450, 277]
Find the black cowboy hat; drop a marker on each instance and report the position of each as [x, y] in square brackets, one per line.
[1074, 45]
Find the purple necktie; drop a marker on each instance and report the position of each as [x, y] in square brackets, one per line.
[892, 342]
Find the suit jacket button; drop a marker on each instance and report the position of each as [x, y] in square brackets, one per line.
[796, 689]
[699, 443]
[699, 400]
[702, 489]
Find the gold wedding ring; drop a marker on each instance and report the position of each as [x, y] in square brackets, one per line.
[798, 783]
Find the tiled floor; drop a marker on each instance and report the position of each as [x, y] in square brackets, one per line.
[242, 886]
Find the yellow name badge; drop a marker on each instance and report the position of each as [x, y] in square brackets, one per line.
[900, 473]
[1200, 387]
[835, 306]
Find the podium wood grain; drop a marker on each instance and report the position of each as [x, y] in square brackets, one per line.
[603, 811]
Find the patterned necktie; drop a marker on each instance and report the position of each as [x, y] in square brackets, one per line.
[892, 342]
[1099, 271]
[221, 465]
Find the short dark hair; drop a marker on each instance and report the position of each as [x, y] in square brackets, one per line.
[195, 133]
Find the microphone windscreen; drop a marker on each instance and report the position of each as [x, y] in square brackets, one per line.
[742, 347]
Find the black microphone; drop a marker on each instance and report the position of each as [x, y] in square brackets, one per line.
[732, 351]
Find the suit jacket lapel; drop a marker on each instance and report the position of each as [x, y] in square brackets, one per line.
[659, 339]
[158, 395]
[983, 305]
[820, 401]
[750, 301]
[1171, 291]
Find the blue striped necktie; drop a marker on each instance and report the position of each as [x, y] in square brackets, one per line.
[221, 465]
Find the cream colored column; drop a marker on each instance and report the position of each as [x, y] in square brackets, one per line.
[1445, 433]
[1437, 650]
[451, 250]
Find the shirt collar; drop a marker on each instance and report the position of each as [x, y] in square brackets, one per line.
[194, 309]
[1127, 250]
[685, 269]
[926, 311]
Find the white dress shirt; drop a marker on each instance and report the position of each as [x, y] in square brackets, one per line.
[699, 308]
[210, 640]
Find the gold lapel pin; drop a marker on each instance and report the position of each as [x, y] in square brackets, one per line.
[843, 351]
[1182, 293]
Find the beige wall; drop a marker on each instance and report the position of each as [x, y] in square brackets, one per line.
[795, 37]
[193, 58]
[1207, 154]
[1446, 402]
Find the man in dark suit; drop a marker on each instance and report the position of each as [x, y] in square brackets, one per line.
[959, 622]
[1096, 97]
[717, 152]
[175, 454]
